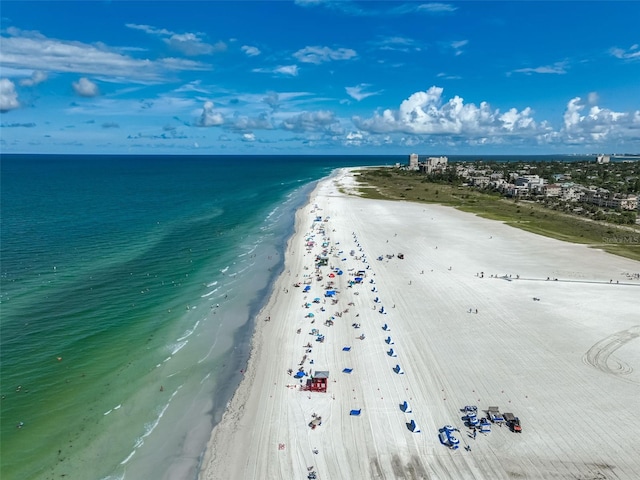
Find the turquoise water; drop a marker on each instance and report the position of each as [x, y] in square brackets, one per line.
[129, 286]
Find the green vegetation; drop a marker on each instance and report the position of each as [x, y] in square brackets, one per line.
[395, 184]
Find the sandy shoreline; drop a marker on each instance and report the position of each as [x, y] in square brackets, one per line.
[566, 364]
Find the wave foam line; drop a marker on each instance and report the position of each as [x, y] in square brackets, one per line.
[189, 332]
[210, 293]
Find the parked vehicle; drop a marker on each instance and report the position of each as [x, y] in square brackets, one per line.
[513, 422]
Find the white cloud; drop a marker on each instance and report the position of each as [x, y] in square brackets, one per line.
[149, 29]
[319, 120]
[436, 7]
[8, 95]
[593, 98]
[379, 9]
[633, 53]
[251, 51]
[193, 86]
[426, 113]
[273, 100]
[85, 88]
[32, 51]
[36, 78]
[209, 117]
[397, 43]
[457, 46]
[598, 124]
[249, 137]
[291, 70]
[446, 76]
[243, 123]
[318, 55]
[358, 93]
[189, 43]
[287, 70]
[354, 139]
[558, 68]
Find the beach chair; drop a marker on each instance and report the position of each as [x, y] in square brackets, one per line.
[398, 370]
[391, 353]
[355, 413]
[389, 341]
[404, 406]
[385, 327]
[346, 349]
[347, 370]
[413, 426]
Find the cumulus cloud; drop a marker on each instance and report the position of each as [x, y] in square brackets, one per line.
[426, 113]
[358, 93]
[632, 53]
[8, 95]
[189, 43]
[85, 88]
[36, 78]
[598, 124]
[32, 51]
[320, 120]
[354, 138]
[244, 123]
[250, 51]
[209, 117]
[248, 137]
[273, 100]
[318, 55]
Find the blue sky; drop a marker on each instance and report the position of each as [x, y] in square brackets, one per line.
[319, 77]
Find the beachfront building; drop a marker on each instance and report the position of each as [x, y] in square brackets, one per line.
[413, 162]
[552, 190]
[601, 159]
[434, 164]
[533, 183]
[603, 198]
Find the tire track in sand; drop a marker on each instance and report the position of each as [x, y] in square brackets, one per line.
[599, 356]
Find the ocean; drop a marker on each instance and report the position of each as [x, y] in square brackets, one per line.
[129, 290]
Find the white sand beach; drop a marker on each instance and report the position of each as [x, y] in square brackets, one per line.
[478, 313]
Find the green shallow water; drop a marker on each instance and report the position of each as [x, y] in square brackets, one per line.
[128, 288]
